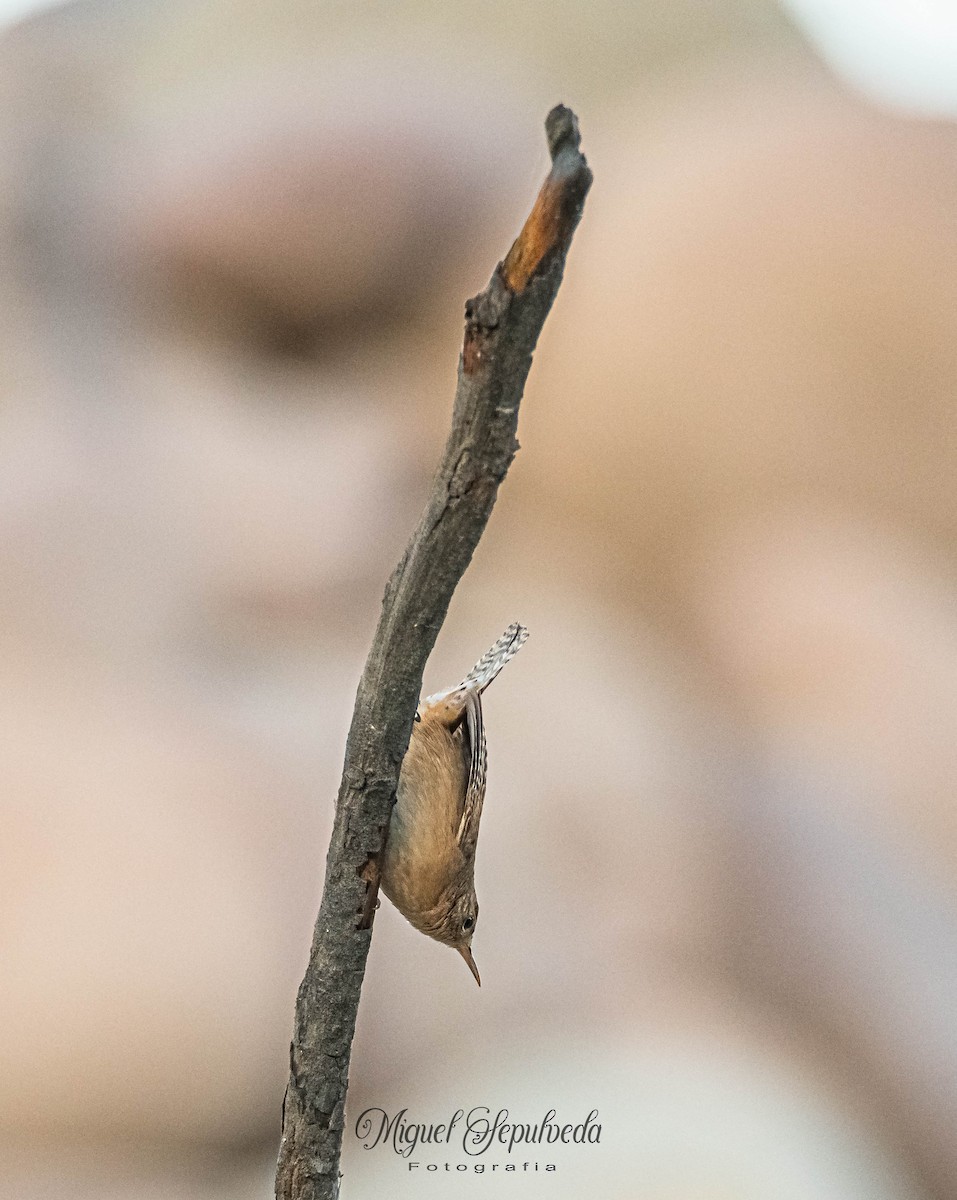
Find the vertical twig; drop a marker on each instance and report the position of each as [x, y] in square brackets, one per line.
[502, 325]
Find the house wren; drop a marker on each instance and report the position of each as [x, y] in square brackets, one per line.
[428, 863]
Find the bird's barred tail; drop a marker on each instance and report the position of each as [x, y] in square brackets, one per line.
[492, 661]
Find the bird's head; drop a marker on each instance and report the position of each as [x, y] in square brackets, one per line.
[457, 926]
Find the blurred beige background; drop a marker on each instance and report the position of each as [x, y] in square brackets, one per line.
[718, 872]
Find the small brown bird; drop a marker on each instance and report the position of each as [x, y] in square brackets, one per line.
[428, 865]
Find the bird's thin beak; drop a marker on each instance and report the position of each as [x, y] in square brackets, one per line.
[467, 955]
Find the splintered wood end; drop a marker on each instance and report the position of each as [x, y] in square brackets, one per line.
[557, 210]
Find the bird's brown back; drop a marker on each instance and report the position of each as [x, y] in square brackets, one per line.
[422, 854]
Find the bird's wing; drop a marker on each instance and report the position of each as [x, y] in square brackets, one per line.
[468, 829]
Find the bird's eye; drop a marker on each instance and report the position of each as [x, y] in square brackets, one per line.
[468, 923]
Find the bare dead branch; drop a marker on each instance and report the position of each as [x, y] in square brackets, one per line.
[502, 325]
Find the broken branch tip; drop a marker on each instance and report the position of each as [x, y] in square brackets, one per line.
[561, 129]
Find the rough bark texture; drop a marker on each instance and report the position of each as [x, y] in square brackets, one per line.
[501, 329]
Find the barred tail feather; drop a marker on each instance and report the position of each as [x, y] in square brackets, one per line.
[492, 661]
